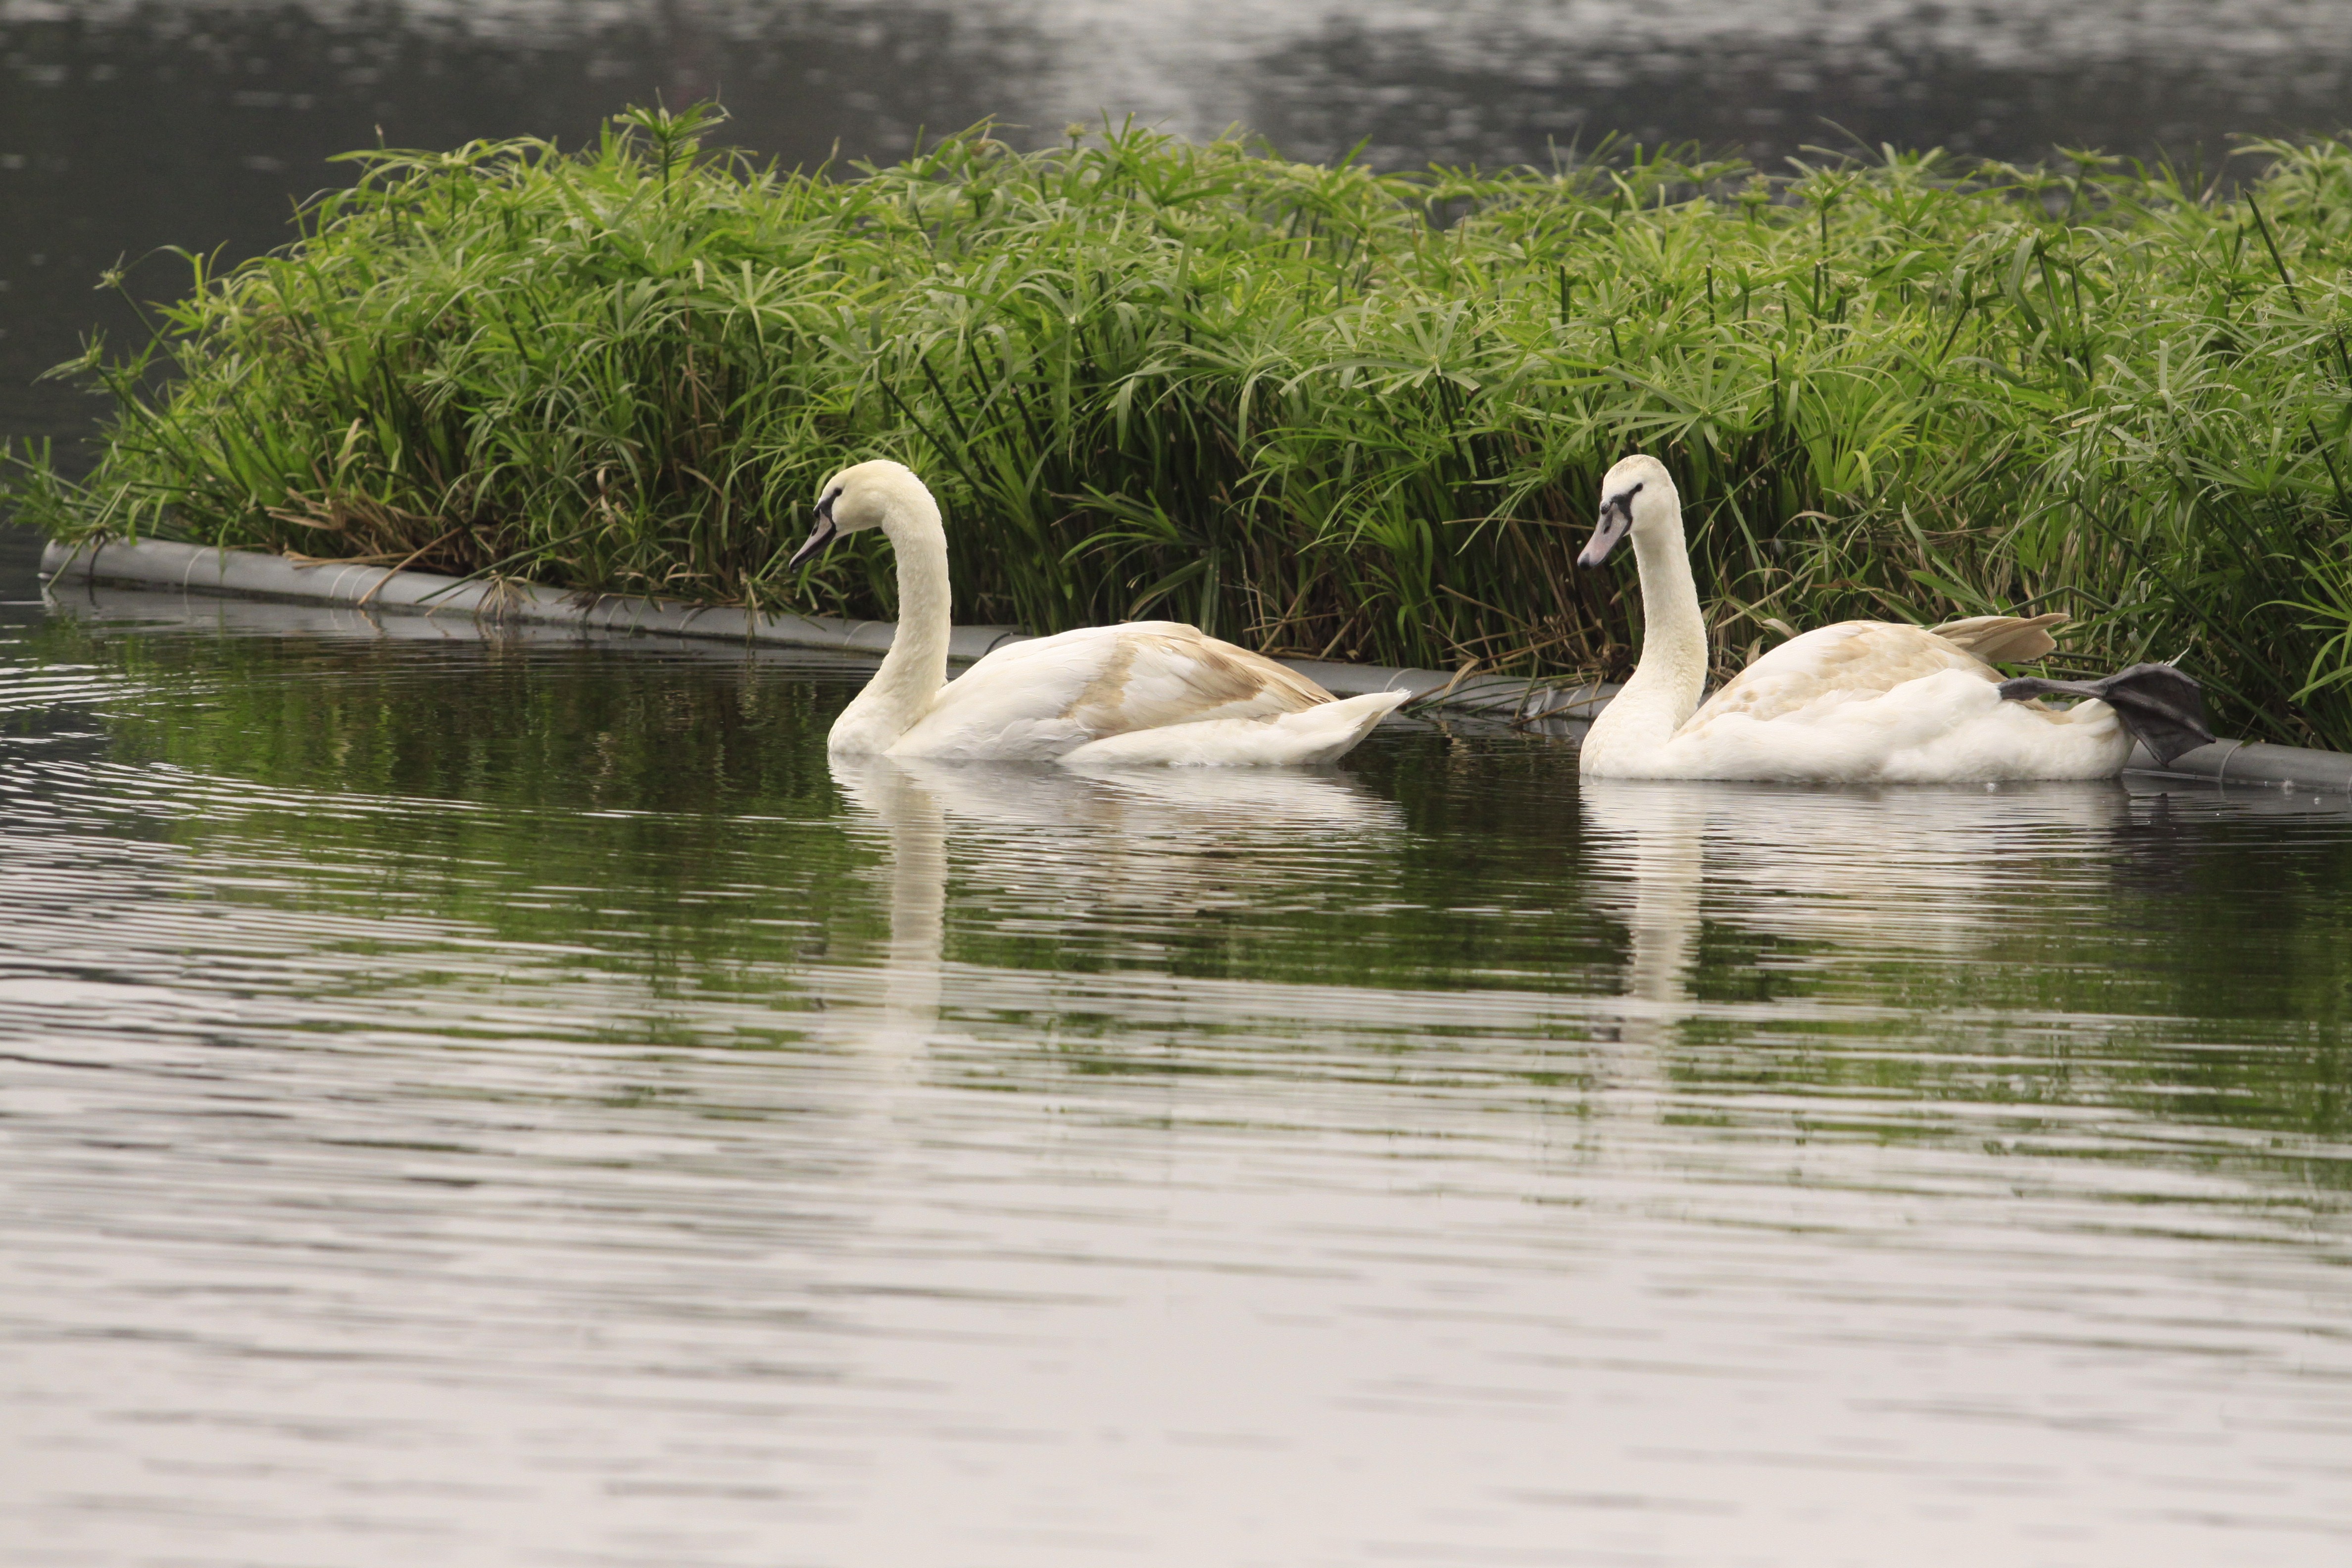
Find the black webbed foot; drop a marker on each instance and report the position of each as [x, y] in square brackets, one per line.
[2163, 708]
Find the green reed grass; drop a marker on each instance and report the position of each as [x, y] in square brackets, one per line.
[1319, 410]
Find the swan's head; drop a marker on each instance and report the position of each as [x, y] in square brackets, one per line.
[862, 496]
[1637, 497]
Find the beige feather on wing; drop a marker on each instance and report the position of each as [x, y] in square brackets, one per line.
[1849, 659]
[1164, 673]
[1856, 658]
[2003, 639]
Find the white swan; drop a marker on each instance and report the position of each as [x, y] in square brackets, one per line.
[1858, 702]
[1145, 692]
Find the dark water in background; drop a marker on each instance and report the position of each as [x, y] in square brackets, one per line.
[512, 1103]
[124, 127]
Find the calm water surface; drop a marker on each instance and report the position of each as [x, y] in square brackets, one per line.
[513, 1102]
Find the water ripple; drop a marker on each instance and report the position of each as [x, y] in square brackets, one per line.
[522, 1105]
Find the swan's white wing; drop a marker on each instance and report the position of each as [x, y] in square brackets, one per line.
[1833, 665]
[1041, 700]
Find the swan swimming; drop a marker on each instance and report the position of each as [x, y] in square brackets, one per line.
[1860, 701]
[1140, 693]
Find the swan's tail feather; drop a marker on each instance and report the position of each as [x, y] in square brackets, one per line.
[2163, 708]
[2003, 639]
[1337, 726]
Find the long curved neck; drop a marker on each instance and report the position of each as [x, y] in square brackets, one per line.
[917, 665]
[1666, 683]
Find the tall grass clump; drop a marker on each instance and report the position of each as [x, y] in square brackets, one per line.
[1315, 409]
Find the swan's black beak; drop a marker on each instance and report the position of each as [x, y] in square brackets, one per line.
[820, 536]
[1616, 517]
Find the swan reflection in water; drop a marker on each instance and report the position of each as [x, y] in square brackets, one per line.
[1829, 876]
[1127, 859]
[1067, 853]
[1918, 868]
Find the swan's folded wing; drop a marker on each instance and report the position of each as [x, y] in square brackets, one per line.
[1047, 697]
[1839, 663]
[1164, 674]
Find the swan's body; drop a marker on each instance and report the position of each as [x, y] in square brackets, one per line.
[1145, 692]
[1859, 702]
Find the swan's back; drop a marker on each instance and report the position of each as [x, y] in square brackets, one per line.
[1832, 665]
[1873, 702]
[1045, 698]
[1164, 673]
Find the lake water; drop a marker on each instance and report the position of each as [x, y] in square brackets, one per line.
[509, 1102]
[513, 1102]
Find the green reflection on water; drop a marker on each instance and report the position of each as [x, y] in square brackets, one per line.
[672, 817]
